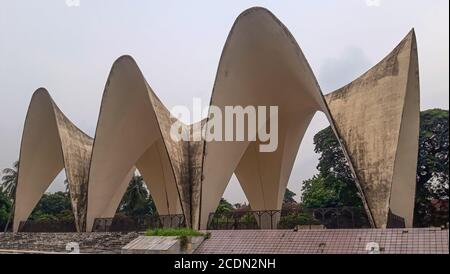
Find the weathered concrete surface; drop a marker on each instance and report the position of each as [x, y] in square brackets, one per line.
[377, 119]
[261, 65]
[130, 131]
[50, 143]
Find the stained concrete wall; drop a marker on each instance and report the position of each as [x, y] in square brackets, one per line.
[50, 142]
[377, 119]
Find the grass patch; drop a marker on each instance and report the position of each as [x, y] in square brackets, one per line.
[179, 232]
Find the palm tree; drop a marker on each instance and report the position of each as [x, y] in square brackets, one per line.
[9, 180]
[66, 184]
[8, 186]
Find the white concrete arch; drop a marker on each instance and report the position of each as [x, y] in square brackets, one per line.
[50, 142]
[128, 133]
[261, 65]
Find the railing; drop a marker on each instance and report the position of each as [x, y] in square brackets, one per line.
[47, 226]
[141, 223]
[117, 224]
[344, 217]
[395, 221]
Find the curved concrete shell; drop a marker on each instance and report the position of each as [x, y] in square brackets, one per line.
[375, 119]
[261, 65]
[50, 142]
[129, 133]
[377, 126]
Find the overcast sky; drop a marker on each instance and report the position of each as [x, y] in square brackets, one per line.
[177, 44]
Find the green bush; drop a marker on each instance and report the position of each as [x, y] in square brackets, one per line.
[292, 220]
[180, 232]
[5, 208]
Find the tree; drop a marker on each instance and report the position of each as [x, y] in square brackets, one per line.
[289, 197]
[66, 185]
[316, 193]
[53, 206]
[5, 209]
[137, 200]
[334, 186]
[9, 184]
[432, 166]
[224, 206]
[9, 180]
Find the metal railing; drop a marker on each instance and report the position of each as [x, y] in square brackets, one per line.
[47, 226]
[343, 217]
[119, 223]
[301, 218]
[140, 223]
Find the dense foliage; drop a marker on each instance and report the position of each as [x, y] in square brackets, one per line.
[5, 208]
[334, 185]
[53, 207]
[180, 232]
[137, 200]
[432, 168]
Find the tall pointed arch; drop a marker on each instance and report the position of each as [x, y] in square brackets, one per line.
[130, 130]
[377, 119]
[50, 142]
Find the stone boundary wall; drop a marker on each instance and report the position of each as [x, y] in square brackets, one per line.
[101, 242]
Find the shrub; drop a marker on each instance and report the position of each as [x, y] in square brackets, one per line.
[180, 232]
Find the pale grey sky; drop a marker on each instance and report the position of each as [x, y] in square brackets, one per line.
[177, 44]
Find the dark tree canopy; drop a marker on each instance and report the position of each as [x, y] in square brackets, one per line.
[432, 166]
[224, 206]
[5, 207]
[289, 197]
[53, 206]
[137, 200]
[334, 185]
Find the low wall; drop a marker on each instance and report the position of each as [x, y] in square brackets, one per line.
[107, 242]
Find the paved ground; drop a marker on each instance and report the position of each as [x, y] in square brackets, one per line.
[314, 241]
[350, 241]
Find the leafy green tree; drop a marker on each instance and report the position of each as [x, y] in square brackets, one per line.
[289, 197]
[53, 206]
[224, 206]
[8, 187]
[317, 193]
[9, 180]
[432, 166]
[5, 209]
[334, 186]
[137, 200]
